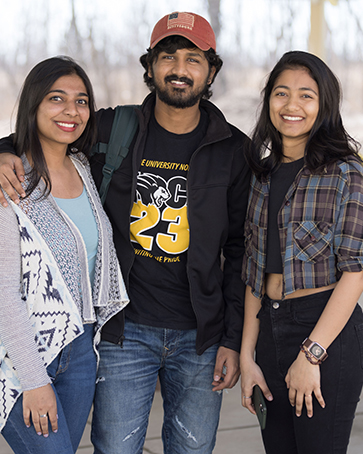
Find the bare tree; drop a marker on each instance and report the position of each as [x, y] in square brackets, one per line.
[214, 11]
[74, 41]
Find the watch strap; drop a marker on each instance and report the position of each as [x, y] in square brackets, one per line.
[306, 347]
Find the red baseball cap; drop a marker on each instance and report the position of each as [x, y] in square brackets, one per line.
[190, 25]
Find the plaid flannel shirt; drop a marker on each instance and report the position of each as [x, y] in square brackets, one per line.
[320, 228]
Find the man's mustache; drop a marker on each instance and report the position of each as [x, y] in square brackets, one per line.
[185, 80]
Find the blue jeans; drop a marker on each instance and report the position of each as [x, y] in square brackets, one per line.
[126, 384]
[283, 327]
[73, 374]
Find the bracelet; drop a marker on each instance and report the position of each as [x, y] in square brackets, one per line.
[310, 357]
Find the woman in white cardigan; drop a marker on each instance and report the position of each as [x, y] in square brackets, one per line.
[59, 276]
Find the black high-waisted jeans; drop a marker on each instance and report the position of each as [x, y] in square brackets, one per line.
[283, 327]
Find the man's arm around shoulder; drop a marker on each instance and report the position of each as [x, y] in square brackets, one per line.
[11, 172]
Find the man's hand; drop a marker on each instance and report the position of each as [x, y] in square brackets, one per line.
[226, 371]
[11, 176]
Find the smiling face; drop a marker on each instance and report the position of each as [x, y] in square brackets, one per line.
[181, 78]
[63, 114]
[294, 106]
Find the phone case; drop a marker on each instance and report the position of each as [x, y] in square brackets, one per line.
[260, 406]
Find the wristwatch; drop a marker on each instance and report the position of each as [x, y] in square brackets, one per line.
[315, 349]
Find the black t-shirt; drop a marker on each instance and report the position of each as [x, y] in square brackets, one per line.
[280, 182]
[159, 288]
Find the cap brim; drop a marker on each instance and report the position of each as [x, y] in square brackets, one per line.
[202, 45]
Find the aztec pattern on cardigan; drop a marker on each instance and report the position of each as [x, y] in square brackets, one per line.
[55, 282]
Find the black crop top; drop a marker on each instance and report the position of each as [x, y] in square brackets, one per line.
[280, 182]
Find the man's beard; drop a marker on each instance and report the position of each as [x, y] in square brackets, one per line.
[175, 97]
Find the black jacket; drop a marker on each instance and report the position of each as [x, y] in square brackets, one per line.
[217, 189]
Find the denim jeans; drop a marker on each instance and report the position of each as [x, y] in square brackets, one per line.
[126, 384]
[283, 327]
[73, 374]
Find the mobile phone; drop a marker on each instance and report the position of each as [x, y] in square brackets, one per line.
[260, 405]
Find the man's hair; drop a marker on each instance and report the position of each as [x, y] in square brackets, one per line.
[170, 45]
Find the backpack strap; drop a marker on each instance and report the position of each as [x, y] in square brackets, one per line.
[123, 130]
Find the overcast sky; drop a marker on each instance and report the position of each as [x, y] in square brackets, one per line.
[249, 21]
[251, 29]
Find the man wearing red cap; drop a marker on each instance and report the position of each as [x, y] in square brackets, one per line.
[183, 187]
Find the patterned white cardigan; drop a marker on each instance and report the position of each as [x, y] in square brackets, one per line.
[54, 281]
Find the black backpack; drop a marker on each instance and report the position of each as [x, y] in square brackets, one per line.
[123, 130]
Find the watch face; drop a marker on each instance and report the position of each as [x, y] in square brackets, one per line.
[316, 350]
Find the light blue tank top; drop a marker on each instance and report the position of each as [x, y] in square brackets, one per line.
[80, 212]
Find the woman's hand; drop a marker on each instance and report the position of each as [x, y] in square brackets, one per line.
[252, 375]
[303, 379]
[41, 405]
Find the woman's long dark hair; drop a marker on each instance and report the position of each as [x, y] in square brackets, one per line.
[36, 86]
[328, 141]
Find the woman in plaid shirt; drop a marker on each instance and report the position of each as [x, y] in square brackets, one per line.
[303, 331]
